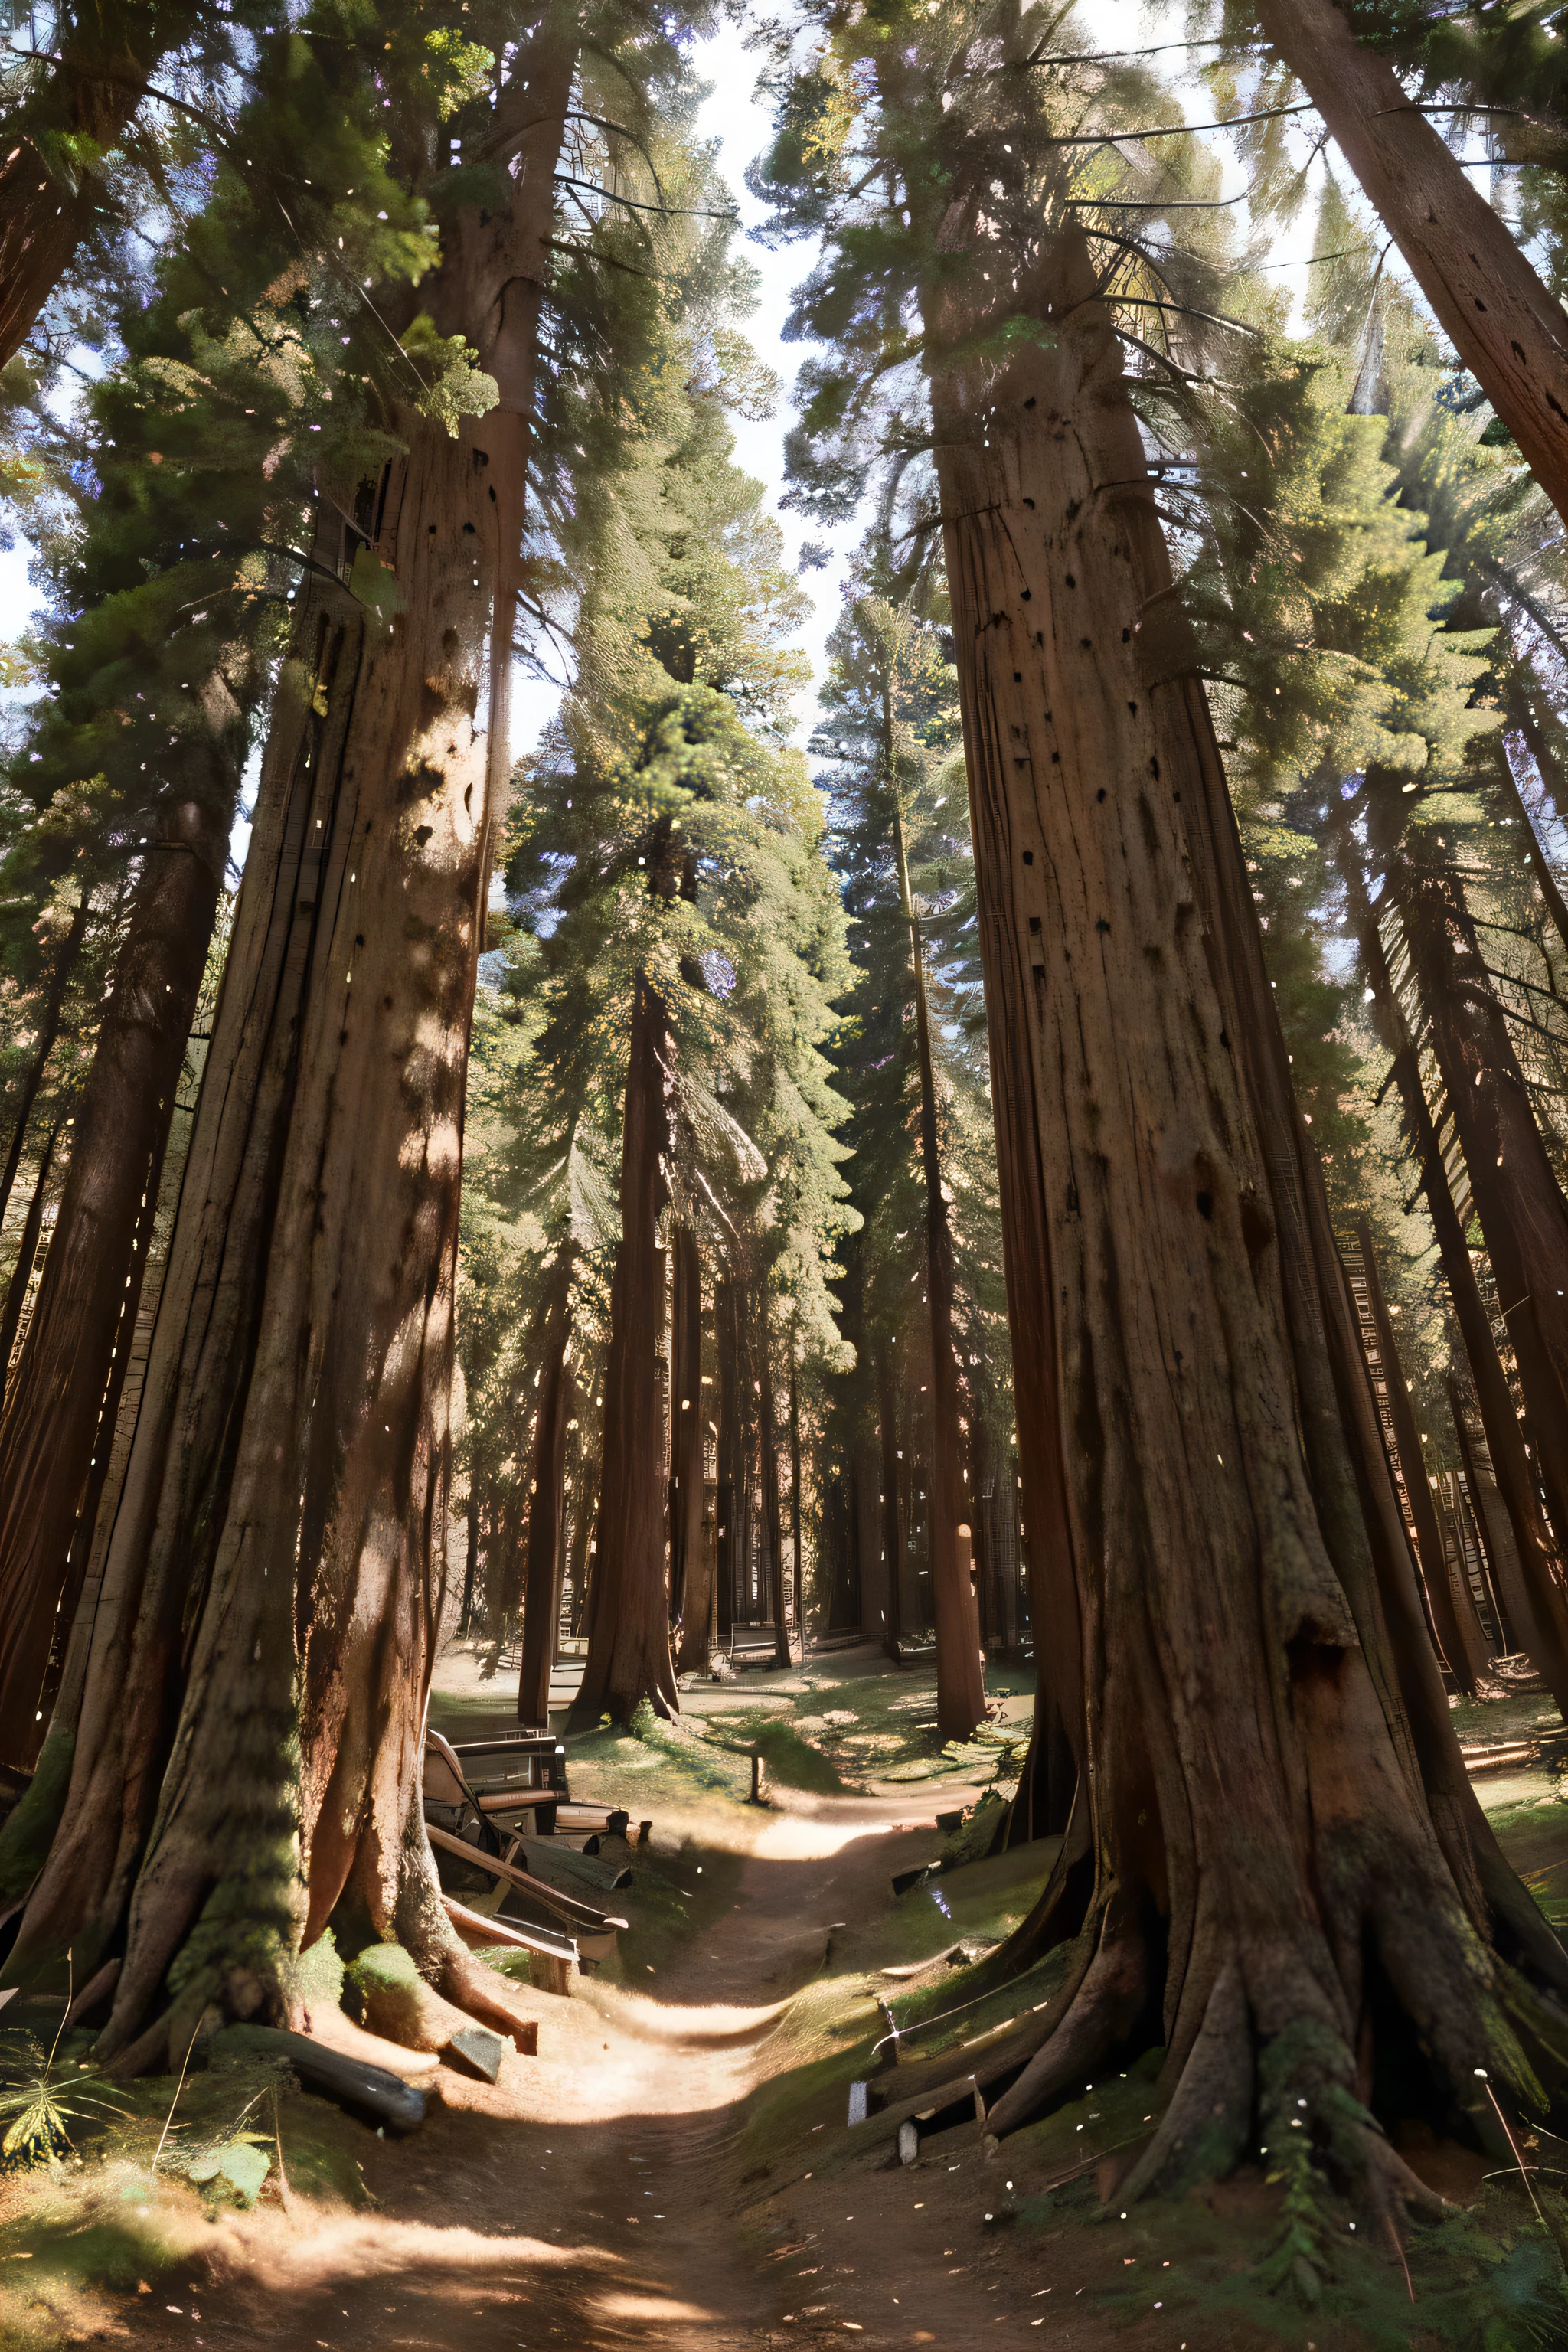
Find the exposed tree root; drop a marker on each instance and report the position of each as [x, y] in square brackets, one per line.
[1106, 2008]
[1204, 2130]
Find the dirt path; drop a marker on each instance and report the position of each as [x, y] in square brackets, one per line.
[590, 2199]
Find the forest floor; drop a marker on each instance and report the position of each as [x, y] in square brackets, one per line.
[675, 2169]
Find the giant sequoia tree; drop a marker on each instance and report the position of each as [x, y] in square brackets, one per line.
[1207, 1501]
[269, 1591]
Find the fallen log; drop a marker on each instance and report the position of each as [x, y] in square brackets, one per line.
[370, 2091]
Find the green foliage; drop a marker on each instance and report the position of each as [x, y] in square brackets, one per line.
[44, 2096]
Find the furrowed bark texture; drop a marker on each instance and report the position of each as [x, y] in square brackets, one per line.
[248, 1696]
[628, 1641]
[86, 1307]
[772, 1531]
[1524, 1214]
[892, 1517]
[1166, 1254]
[1506, 327]
[1505, 1442]
[1458, 1629]
[960, 1681]
[688, 1580]
[546, 1510]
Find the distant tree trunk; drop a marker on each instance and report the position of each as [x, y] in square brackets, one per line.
[1178, 1313]
[628, 1637]
[1497, 1536]
[960, 1679]
[1543, 1627]
[246, 1721]
[1458, 1629]
[1506, 327]
[26, 1251]
[86, 1306]
[471, 1559]
[546, 1510]
[60, 969]
[1545, 879]
[795, 1490]
[688, 1580]
[892, 1517]
[1522, 1211]
[871, 1593]
[772, 1529]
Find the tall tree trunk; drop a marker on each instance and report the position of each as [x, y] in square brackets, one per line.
[247, 1703]
[541, 1587]
[772, 1529]
[26, 1251]
[1458, 1629]
[1497, 1536]
[688, 1583]
[1543, 1628]
[629, 1638]
[1522, 1211]
[86, 1306]
[960, 1677]
[61, 969]
[1232, 1527]
[1506, 327]
[794, 1491]
[471, 1559]
[892, 1517]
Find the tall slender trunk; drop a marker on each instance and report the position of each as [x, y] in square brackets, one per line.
[247, 1701]
[471, 1559]
[892, 1517]
[1543, 1628]
[688, 1581]
[959, 1678]
[26, 1251]
[794, 1464]
[1458, 1629]
[547, 1498]
[1179, 1315]
[1496, 1537]
[1522, 1211]
[60, 969]
[1506, 327]
[86, 1307]
[629, 1639]
[772, 1529]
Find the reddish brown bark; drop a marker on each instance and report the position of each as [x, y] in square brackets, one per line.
[547, 1498]
[1458, 1626]
[1505, 1441]
[628, 1636]
[1522, 1211]
[772, 1529]
[86, 1306]
[1199, 1389]
[690, 1585]
[248, 1694]
[893, 1531]
[1506, 325]
[959, 1678]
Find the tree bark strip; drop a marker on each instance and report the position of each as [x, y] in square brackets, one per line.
[1506, 327]
[91, 1281]
[892, 1517]
[1458, 1629]
[1522, 1211]
[546, 1510]
[629, 1639]
[960, 1681]
[688, 1580]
